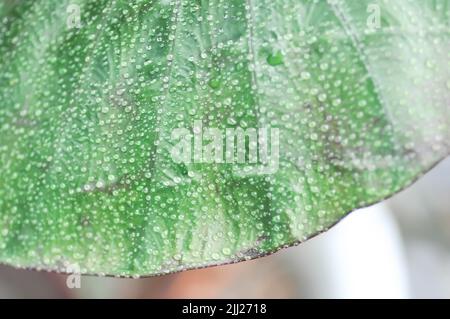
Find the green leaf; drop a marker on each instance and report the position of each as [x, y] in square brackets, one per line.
[359, 92]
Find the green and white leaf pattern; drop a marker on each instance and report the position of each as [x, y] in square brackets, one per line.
[87, 113]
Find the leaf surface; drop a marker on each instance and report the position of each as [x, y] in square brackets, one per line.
[359, 92]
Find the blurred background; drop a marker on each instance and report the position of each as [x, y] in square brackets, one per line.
[396, 249]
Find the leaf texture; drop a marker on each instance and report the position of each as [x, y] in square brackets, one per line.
[87, 116]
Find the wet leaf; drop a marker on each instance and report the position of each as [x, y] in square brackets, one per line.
[349, 102]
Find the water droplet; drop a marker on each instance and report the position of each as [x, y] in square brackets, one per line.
[214, 84]
[275, 59]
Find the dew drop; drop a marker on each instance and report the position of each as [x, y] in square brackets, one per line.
[275, 59]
